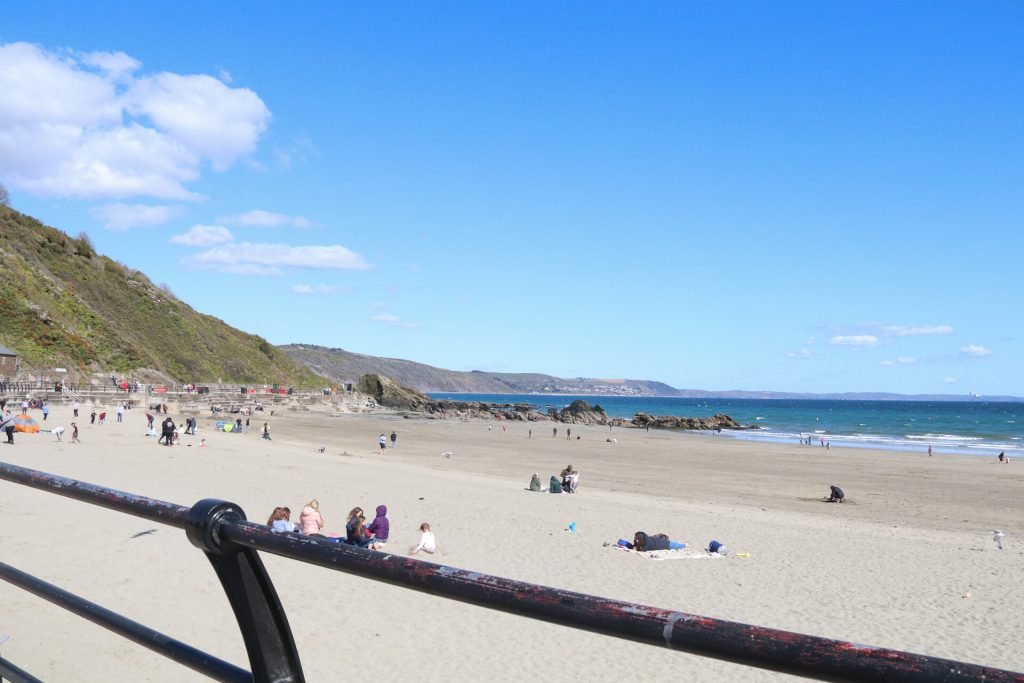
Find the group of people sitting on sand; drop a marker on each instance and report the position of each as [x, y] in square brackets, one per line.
[357, 532]
[566, 482]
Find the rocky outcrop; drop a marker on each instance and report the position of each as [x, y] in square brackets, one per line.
[717, 421]
[391, 394]
[518, 412]
[579, 412]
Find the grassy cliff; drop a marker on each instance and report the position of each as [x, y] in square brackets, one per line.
[63, 304]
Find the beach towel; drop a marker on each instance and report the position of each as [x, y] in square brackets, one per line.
[682, 554]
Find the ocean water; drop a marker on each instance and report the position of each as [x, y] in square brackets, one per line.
[976, 427]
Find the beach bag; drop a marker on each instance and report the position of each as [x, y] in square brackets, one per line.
[719, 548]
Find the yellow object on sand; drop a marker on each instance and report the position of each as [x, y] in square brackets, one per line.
[742, 554]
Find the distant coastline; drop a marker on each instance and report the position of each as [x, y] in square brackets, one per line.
[758, 395]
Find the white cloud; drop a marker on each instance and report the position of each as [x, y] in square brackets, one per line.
[266, 219]
[203, 236]
[915, 330]
[84, 126]
[949, 380]
[854, 340]
[390, 319]
[117, 65]
[317, 289]
[802, 353]
[903, 360]
[127, 216]
[975, 351]
[224, 75]
[247, 258]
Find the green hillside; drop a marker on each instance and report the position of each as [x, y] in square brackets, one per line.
[65, 305]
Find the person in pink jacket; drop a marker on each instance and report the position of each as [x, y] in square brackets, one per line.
[311, 521]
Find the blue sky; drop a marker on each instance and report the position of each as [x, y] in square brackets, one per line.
[802, 197]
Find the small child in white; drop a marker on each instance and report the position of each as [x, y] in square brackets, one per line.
[428, 543]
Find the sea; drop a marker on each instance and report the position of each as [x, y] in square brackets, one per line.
[972, 427]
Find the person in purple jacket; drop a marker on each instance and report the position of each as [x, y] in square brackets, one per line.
[380, 528]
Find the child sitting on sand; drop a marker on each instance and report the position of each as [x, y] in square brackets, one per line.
[380, 528]
[428, 543]
[280, 520]
[311, 520]
[535, 482]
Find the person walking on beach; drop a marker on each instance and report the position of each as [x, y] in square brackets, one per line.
[246, 425]
[46, 412]
[120, 413]
[394, 439]
[92, 418]
[929, 450]
[74, 433]
[568, 433]
[266, 431]
[74, 408]
[383, 441]
[554, 432]
[8, 426]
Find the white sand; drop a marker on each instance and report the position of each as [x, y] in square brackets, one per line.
[890, 567]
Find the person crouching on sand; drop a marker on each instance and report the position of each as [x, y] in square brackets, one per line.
[428, 543]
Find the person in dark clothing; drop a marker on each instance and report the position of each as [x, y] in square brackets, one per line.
[380, 527]
[394, 438]
[554, 486]
[837, 495]
[647, 542]
[167, 432]
[92, 417]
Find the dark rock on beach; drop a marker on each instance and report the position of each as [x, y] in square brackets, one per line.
[391, 394]
[715, 422]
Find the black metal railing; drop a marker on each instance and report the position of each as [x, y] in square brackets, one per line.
[230, 542]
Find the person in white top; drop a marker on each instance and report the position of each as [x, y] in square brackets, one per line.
[428, 543]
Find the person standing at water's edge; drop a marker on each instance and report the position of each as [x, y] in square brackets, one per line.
[394, 438]
[929, 450]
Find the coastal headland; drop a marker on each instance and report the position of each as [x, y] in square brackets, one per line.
[907, 562]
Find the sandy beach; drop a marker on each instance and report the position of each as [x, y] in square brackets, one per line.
[908, 562]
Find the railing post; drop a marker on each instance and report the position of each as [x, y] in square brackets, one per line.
[273, 657]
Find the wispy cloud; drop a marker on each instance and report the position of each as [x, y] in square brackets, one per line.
[802, 353]
[265, 219]
[122, 217]
[203, 236]
[298, 150]
[857, 340]
[389, 319]
[247, 258]
[88, 126]
[949, 380]
[975, 351]
[319, 289]
[903, 360]
[914, 330]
